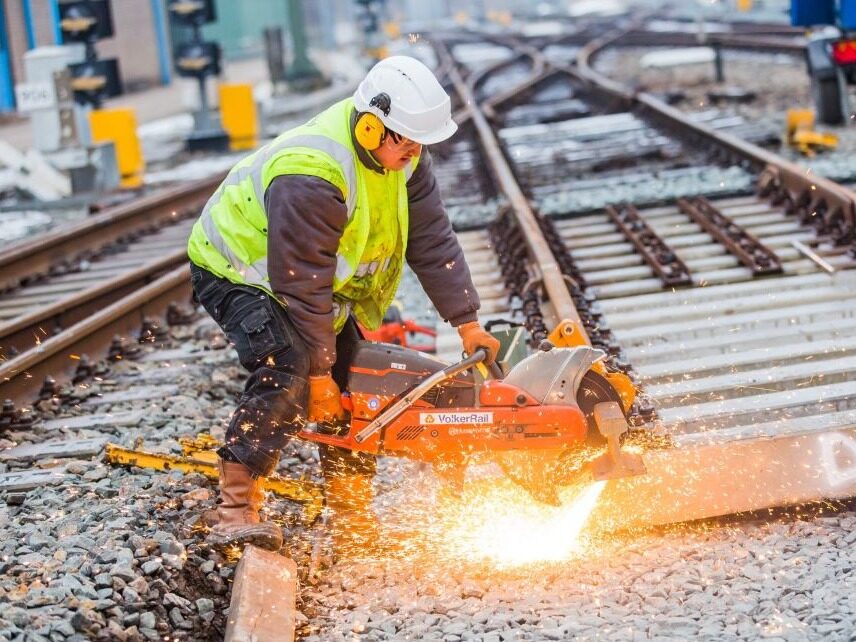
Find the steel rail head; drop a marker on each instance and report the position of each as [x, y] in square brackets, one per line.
[15, 375]
[39, 255]
[77, 303]
[539, 251]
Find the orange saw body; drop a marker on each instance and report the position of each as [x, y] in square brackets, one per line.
[552, 403]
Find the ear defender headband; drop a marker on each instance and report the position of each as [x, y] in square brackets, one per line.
[369, 129]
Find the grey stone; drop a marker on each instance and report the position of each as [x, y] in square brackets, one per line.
[123, 571]
[150, 634]
[148, 620]
[171, 547]
[171, 599]
[152, 566]
[63, 627]
[175, 616]
[96, 474]
[130, 596]
[38, 541]
[173, 561]
[204, 605]
[107, 556]
[455, 628]
[71, 583]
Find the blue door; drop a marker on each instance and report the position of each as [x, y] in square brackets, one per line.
[7, 86]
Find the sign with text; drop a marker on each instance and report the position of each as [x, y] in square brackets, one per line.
[31, 96]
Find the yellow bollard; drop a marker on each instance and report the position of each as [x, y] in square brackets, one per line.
[392, 29]
[238, 115]
[119, 126]
[799, 119]
[744, 5]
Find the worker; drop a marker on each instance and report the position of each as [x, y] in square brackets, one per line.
[303, 239]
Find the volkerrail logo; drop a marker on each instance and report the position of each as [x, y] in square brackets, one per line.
[455, 418]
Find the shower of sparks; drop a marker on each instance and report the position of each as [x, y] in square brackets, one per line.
[503, 526]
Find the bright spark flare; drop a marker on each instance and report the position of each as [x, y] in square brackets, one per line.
[505, 527]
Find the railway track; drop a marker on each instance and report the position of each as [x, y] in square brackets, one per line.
[733, 362]
[76, 290]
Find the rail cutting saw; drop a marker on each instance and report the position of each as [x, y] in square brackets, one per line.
[556, 418]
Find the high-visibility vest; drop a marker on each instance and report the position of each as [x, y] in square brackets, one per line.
[230, 237]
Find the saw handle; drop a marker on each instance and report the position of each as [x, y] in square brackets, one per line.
[396, 409]
[495, 370]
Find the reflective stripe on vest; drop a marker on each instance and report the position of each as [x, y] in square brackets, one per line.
[257, 272]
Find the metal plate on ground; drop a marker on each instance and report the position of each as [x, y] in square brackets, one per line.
[262, 608]
[131, 418]
[142, 393]
[55, 448]
[29, 479]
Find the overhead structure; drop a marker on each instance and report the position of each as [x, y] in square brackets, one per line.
[370, 18]
[87, 22]
[199, 58]
[302, 74]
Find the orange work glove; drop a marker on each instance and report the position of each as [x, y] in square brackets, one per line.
[473, 336]
[325, 400]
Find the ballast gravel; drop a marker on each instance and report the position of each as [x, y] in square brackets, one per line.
[115, 553]
[789, 580]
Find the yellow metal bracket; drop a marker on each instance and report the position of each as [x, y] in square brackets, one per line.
[198, 456]
[802, 136]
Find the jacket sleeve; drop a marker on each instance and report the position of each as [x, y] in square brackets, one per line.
[433, 251]
[306, 218]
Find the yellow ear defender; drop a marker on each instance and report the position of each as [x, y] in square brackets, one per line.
[369, 129]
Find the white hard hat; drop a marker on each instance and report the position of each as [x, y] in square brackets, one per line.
[419, 107]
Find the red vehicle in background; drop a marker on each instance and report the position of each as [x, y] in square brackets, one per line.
[395, 329]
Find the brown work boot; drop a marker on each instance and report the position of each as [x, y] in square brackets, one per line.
[241, 497]
[353, 524]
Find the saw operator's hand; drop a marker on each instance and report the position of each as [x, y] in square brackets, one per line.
[473, 336]
[325, 399]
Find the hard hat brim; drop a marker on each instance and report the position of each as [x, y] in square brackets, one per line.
[436, 136]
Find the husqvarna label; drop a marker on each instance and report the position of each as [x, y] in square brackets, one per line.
[455, 418]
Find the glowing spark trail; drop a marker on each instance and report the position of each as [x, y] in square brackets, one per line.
[504, 527]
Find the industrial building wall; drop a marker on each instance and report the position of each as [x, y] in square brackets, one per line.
[135, 42]
[239, 25]
[16, 30]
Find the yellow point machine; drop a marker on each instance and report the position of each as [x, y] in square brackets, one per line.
[119, 126]
[238, 115]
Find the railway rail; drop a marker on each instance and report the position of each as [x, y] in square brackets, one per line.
[742, 340]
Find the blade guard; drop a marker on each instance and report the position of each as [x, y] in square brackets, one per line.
[614, 464]
[569, 334]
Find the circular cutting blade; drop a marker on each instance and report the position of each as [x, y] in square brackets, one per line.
[543, 472]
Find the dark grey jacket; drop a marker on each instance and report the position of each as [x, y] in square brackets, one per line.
[306, 218]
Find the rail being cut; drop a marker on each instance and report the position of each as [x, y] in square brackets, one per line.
[744, 451]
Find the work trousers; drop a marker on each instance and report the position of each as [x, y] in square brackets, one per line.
[273, 406]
